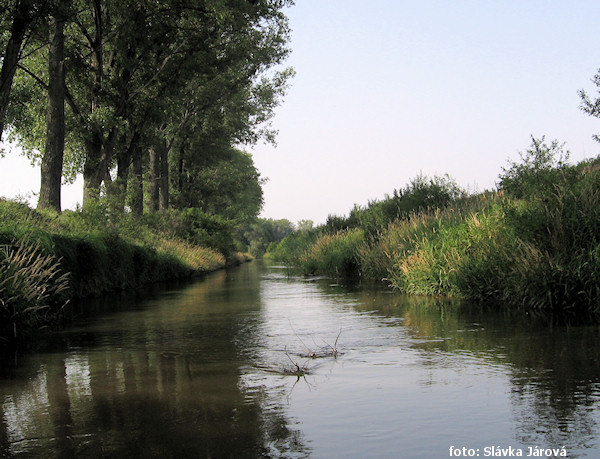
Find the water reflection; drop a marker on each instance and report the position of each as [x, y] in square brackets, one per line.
[160, 380]
[554, 371]
[200, 371]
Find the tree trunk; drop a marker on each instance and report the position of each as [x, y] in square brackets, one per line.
[164, 177]
[95, 168]
[10, 59]
[137, 197]
[180, 168]
[52, 162]
[118, 188]
[154, 190]
[123, 164]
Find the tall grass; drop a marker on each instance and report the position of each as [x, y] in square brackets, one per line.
[32, 289]
[200, 259]
[535, 249]
[557, 265]
[335, 254]
[534, 245]
[350, 245]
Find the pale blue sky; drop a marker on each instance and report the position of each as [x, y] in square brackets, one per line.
[387, 89]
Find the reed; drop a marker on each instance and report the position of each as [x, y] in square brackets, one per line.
[32, 286]
[335, 254]
[538, 252]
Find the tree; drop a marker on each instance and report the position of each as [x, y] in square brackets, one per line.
[169, 86]
[226, 184]
[263, 232]
[52, 161]
[540, 169]
[222, 100]
[22, 14]
[304, 225]
[589, 105]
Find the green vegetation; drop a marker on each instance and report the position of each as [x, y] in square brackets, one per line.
[30, 283]
[533, 245]
[335, 248]
[257, 236]
[48, 258]
[151, 103]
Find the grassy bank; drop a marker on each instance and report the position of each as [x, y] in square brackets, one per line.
[534, 245]
[47, 259]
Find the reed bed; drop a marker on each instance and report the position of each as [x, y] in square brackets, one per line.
[534, 246]
[33, 288]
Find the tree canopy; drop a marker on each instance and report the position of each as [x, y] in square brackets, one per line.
[158, 97]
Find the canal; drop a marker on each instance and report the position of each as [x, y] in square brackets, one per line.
[255, 362]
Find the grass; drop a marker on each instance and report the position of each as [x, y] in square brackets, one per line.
[335, 254]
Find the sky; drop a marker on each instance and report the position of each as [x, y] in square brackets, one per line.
[388, 89]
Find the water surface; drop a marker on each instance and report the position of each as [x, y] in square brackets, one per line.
[207, 370]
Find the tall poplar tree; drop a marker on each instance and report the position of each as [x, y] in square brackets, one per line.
[149, 82]
[52, 161]
[19, 14]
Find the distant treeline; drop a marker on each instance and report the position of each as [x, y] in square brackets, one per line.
[534, 244]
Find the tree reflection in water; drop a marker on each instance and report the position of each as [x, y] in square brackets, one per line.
[160, 382]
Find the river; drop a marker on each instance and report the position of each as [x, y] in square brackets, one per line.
[254, 362]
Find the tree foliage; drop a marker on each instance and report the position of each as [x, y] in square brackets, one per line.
[590, 105]
[261, 234]
[540, 168]
[159, 98]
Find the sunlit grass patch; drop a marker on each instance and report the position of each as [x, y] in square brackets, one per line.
[335, 254]
[200, 259]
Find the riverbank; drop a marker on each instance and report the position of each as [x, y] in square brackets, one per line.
[48, 259]
[534, 245]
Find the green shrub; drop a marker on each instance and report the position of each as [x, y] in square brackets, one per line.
[420, 195]
[540, 169]
[557, 264]
[195, 227]
[292, 247]
[210, 231]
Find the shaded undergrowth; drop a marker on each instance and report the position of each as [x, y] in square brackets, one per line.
[47, 259]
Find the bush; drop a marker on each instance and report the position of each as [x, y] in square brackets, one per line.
[558, 259]
[541, 168]
[208, 231]
[421, 194]
[292, 247]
